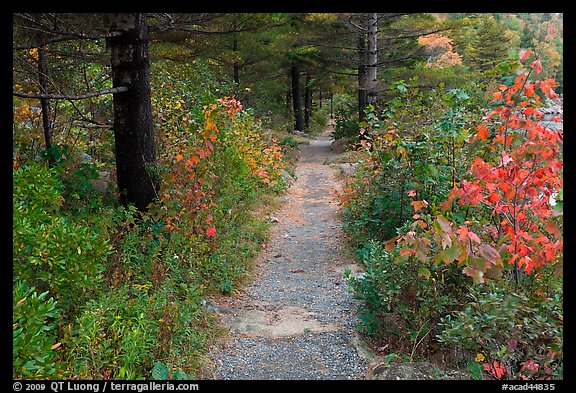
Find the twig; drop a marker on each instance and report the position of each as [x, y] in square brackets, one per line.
[112, 90]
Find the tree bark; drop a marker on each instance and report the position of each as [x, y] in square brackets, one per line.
[44, 102]
[236, 64]
[372, 77]
[307, 101]
[289, 104]
[297, 97]
[331, 105]
[133, 127]
[362, 75]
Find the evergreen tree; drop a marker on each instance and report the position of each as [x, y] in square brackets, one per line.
[489, 46]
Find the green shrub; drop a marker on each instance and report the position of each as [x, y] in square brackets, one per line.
[402, 302]
[34, 336]
[51, 251]
[113, 337]
[345, 127]
[288, 141]
[520, 330]
[416, 144]
[36, 191]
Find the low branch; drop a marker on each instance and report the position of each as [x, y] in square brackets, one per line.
[112, 90]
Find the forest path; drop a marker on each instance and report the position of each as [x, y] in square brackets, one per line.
[296, 319]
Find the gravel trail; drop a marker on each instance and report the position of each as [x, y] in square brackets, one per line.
[296, 319]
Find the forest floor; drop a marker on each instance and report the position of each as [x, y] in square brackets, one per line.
[296, 319]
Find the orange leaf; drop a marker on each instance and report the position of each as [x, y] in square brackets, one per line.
[494, 197]
[483, 132]
[524, 54]
[422, 224]
[391, 244]
[444, 224]
[537, 65]
[552, 228]
[499, 370]
[211, 232]
[462, 232]
[179, 157]
[417, 205]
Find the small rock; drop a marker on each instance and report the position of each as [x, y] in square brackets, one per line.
[349, 168]
[287, 178]
[85, 158]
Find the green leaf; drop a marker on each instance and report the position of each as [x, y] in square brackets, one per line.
[160, 371]
[179, 375]
[451, 254]
[474, 368]
[423, 272]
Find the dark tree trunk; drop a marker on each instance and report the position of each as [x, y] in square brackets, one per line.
[320, 98]
[45, 102]
[297, 98]
[236, 64]
[331, 105]
[289, 104]
[133, 131]
[362, 75]
[307, 101]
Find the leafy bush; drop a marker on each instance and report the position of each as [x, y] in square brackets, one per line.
[288, 141]
[502, 232]
[417, 144]
[515, 335]
[34, 334]
[402, 303]
[51, 251]
[345, 127]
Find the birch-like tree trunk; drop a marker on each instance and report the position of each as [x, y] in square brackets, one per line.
[372, 77]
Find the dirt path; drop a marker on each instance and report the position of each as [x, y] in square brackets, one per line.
[296, 319]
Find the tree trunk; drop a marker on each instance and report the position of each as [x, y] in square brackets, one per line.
[289, 104]
[362, 75]
[372, 78]
[297, 97]
[133, 129]
[307, 102]
[236, 64]
[45, 102]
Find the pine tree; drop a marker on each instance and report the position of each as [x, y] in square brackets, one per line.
[490, 44]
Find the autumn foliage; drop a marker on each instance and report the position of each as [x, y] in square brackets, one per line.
[192, 152]
[508, 194]
[440, 50]
[479, 262]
